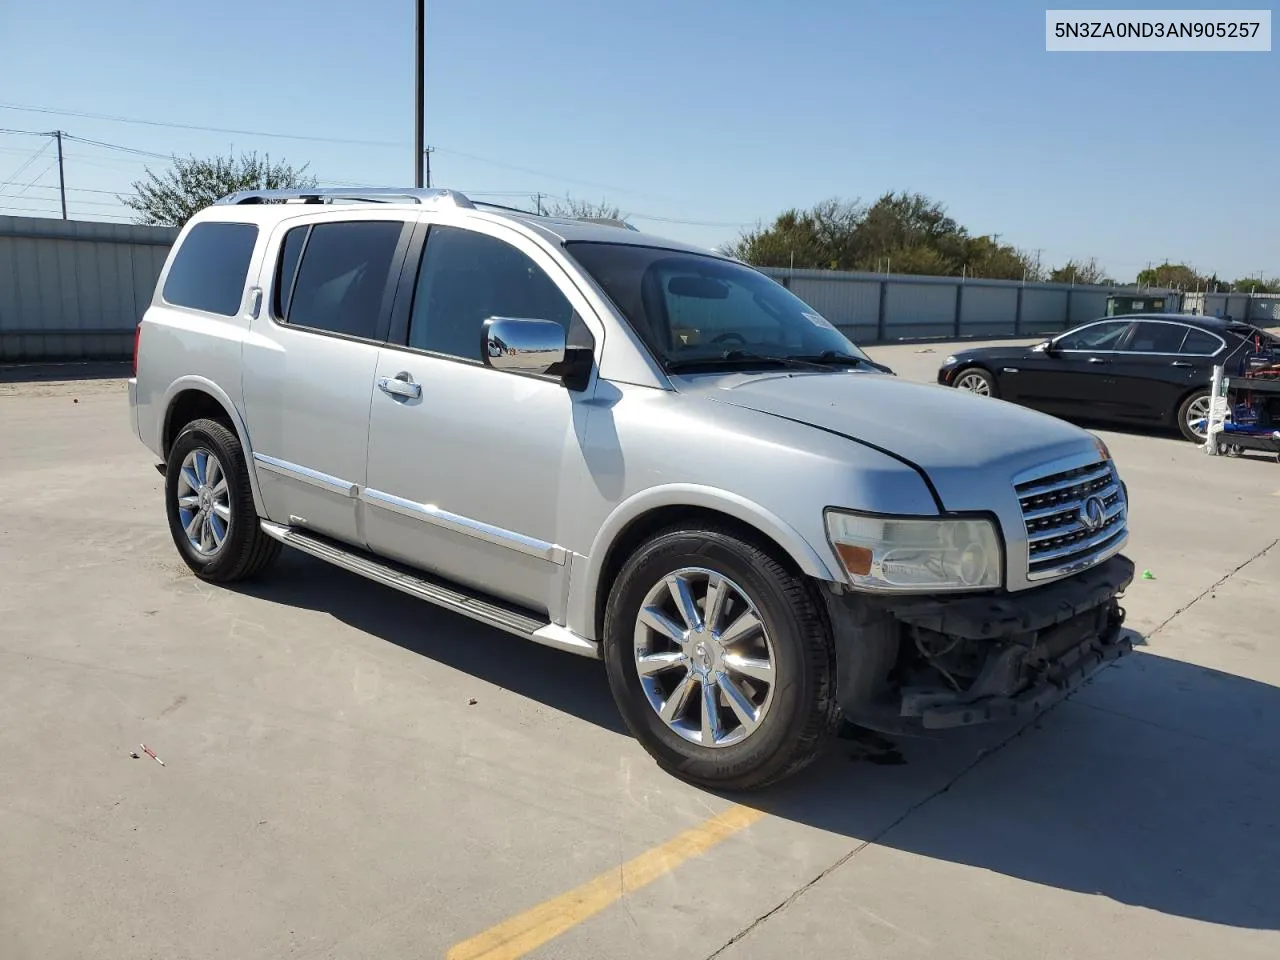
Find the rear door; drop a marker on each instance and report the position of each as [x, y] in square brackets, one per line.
[1071, 378]
[1159, 362]
[309, 364]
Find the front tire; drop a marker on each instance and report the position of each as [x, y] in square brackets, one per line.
[719, 659]
[210, 505]
[1195, 406]
[977, 381]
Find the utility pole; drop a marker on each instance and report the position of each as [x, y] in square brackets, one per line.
[427, 153]
[419, 148]
[62, 178]
[538, 199]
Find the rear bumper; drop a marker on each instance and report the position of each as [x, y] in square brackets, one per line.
[1031, 649]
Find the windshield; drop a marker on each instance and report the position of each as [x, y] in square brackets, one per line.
[689, 308]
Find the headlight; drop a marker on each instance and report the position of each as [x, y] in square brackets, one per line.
[947, 362]
[887, 554]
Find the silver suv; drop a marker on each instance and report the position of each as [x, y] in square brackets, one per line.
[630, 449]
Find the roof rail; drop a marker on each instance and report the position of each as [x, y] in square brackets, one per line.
[370, 194]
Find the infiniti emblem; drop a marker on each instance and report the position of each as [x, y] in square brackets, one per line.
[1093, 512]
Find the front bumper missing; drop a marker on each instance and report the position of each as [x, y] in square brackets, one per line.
[1034, 649]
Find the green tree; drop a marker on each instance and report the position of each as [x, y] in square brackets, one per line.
[1080, 271]
[899, 233]
[1256, 285]
[171, 197]
[1177, 276]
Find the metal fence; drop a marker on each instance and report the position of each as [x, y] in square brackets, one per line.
[74, 289]
[881, 308]
[1260, 308]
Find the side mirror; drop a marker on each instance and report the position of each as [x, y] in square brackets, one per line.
[518, 345]
[1047, 348]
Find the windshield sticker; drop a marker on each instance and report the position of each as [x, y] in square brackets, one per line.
[818, 321]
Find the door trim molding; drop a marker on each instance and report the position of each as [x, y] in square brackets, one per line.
[431, 514]
[295, 471]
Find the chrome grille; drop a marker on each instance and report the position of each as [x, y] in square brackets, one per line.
[1066, 530]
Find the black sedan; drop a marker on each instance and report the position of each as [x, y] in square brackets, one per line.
[1140, 368]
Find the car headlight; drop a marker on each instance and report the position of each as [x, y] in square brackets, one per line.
[947, 362]
[890, 554]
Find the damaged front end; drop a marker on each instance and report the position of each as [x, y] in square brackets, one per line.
[907, 663]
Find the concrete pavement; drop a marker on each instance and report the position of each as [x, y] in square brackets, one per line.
[330, 791]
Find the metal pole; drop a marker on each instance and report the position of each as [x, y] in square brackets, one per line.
[62, 177]
[419, 147]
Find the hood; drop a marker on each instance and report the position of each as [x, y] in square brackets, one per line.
[962, 442]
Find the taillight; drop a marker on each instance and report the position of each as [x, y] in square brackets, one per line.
[137, 339]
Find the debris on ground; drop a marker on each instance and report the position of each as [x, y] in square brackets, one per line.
[135, 754]
[472, 702]
[151, 753]
[1148, 575]
[926, 350]
[75, 399]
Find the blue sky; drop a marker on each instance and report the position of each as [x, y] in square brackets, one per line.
[713, 112]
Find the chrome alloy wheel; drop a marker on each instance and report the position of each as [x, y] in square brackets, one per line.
[204, 502]
[704, 657]
[1199, 409]
[974, 383]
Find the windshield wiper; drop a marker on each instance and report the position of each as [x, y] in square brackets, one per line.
[742, 358]
[831, 358]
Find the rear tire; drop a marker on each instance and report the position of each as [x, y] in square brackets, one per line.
[977, 381]
[209, 504]
[770, 684]
[1193, 406]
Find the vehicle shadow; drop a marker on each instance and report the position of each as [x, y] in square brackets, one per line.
[71, 371]
[574, 685]
[1157, 785]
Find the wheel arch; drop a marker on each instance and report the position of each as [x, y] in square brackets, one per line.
[643, 515]
[976, 364]
[193, 398]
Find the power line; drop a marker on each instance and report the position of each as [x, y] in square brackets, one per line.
[193, 126]
[28, 186]
[30, 160]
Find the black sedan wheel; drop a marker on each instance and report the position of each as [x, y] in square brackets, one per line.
[976, 380]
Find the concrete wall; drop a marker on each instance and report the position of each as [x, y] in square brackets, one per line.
[74, 289]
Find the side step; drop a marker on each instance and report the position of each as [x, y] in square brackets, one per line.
[491, 612]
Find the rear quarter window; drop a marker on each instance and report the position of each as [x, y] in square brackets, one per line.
[209, 270]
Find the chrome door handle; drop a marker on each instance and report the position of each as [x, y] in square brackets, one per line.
[1181, 363]
[401, 385]
[1096, 360]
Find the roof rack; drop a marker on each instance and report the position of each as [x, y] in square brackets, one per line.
[369, 194]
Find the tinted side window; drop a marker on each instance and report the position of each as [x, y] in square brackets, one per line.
[468, 277]
[209, 269]
[1200, 344]
[342, 278]
[1151, 337]
[1098, 336]
[290, 251]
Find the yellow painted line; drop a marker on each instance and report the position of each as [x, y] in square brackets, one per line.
[529, 930]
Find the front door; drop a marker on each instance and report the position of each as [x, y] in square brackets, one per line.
[466, 463]
[309, 366]
[1073, 377]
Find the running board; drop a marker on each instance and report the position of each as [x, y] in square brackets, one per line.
[449, 597]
